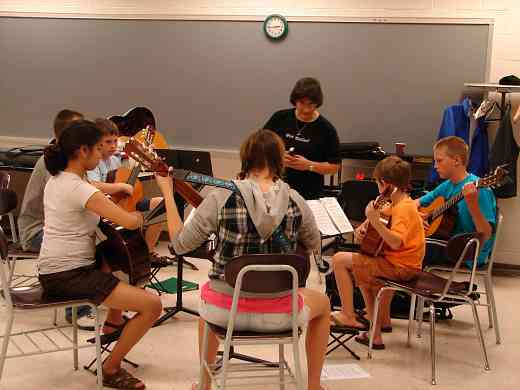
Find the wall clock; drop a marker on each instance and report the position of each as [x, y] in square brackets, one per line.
[276, 27]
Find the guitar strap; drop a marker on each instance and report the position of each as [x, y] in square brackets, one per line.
[278, 234]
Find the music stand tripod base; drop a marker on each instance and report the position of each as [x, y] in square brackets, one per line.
[171, 311]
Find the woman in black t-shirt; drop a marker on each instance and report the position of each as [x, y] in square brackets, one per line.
[311, 141]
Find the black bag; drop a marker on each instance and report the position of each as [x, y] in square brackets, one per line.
[509, 80]
[21, 157]
[361, 150]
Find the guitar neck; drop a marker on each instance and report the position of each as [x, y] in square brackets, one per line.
[134, 175]
[448, 204]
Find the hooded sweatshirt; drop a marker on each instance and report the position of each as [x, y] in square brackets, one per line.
[244, 223]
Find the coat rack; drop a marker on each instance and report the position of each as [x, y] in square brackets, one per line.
[498, 88]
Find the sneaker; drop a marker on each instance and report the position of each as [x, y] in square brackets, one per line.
[82, 311]
[87, 322]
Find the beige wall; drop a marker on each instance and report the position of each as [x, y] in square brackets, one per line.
[505, 56]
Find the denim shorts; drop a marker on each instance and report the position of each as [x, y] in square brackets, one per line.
[252, 322]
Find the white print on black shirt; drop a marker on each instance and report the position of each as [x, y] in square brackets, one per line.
[297, 138]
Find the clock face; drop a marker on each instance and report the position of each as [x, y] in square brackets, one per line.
[275, 27]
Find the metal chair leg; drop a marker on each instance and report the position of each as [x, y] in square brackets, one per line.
[281, 364]
[75, 336]
[432, 343]
[420, 316]
[225, 364]
[99, 358]
[493, 308]
[479, 334]
[373, 323]
[55, 317]
[11, 265]
[488, 302]
[410, 319]
[297, 364]
[14, 235]
[204, 352]
[5, 343]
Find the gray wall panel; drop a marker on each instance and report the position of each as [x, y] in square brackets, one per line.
[210, 82]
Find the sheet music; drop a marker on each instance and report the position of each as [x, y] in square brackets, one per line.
[332, 372]
[322, 218]
[337, 215]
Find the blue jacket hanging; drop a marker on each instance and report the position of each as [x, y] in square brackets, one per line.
[456, 121]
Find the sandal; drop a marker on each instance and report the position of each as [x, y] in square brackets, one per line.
[338, 322]
[116, 327]
[158, 261]
[122, 380]
[363, 339]
[360, 316]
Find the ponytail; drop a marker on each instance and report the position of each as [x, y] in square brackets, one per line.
[55, 160]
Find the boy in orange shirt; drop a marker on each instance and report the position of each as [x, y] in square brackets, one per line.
[400, 259]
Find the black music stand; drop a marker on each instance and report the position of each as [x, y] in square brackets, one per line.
[189, 160]
[179, 307]
[196, 161]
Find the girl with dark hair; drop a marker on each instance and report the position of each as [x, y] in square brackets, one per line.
[245, 220]
[310, 139]
[138, 118]
[67, 267]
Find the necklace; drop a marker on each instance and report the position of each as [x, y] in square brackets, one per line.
[299, 130]
[305, 123]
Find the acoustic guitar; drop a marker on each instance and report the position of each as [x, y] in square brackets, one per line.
[149, 159]
[125, 250]
[442, 216]
[130, 176]
[372, 242]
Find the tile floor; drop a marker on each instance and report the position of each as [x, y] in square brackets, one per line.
[168, 354]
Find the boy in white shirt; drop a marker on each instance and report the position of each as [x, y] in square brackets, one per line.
[109, 162]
